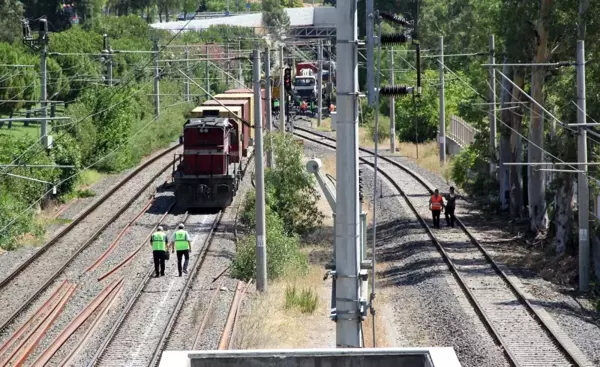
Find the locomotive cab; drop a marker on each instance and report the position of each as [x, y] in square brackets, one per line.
[207, 171]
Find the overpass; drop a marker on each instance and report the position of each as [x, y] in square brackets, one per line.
[319, 22]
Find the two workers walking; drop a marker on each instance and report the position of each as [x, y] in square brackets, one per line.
[436, 205]
[180, 242]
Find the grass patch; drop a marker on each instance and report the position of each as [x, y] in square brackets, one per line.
[85, 193]
[305, 299]
[19, 129]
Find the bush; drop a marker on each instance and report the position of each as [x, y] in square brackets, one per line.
[305, 300]
[384, 128]
[283, 253]
[292, 193]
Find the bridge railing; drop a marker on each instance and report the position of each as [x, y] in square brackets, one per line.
[461, 131]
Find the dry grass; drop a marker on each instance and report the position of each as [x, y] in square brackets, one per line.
[288, 328]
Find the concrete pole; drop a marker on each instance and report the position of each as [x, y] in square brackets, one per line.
[228, 66]
[320, 84]
[347, 219]
[109, 64]
[583, 194]
[268, 104]
[156, 78]
[186, 81]
[330, 82]
[392, 105]
[442, 132]
[282, 100]
[44, 91]
[370, 28]
[492, 108]
[207, 74]
[261, 250]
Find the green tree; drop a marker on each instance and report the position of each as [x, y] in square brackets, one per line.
[12, 12]
[275, 19]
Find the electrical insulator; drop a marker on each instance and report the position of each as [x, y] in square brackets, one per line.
[395, 19]
[394, 38]
[396, 90]
[360, 186]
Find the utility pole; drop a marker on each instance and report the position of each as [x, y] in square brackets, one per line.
[186, 81]
[320, 84]
[261, 250]
[330, 81]
[583, 194]
[392, 105]
[108, 59]
[268, 104]
[370, 9]
[228, 65]
[442, 133]
[46, 140]
[349, 306]
[282, 100]
[156, 79]
[492, 108]
[207, 74]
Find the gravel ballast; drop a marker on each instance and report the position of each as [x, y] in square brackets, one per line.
[575, 317]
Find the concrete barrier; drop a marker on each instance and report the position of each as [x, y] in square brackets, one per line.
[346, 357]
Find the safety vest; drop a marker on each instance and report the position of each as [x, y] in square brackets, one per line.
[276, 104]
[436, 202]
[180, 242]
[159, 241]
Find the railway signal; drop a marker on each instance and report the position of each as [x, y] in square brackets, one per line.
[287, 79]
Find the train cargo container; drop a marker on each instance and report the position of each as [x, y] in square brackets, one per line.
[263, 105]
[250, 98]
[244, 104]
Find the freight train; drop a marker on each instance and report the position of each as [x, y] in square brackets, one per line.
[217, 140]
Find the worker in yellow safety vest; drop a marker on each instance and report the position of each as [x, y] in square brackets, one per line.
[158, 240]
[180, 242]
[436, 204]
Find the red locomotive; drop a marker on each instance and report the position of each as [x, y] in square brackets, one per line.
[216, 141]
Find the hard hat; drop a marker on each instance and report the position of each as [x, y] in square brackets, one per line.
[160, 228]
[181, 226]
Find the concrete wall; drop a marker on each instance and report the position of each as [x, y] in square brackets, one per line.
[381, 357]
[452, 147]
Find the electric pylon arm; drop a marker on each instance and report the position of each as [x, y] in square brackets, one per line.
[314, 166]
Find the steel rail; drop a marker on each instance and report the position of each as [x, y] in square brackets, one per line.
[479, 310]
[81, 216]
[91, 239]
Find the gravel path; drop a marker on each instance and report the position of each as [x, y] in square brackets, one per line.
[10, 260]
[428, 306]
[576, 317]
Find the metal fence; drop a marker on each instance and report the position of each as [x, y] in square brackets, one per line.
[461, 132]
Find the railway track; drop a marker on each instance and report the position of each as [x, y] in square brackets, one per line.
[21, 288]
[527, 335]
[140, 331]
[143, 328]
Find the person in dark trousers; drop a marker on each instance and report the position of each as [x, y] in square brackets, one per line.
[180, 242]
[436, 204]
[450, 206]
[158, 240]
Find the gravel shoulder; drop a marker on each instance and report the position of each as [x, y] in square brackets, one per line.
[575, 316]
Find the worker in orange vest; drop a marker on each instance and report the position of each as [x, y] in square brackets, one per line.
[436, 204]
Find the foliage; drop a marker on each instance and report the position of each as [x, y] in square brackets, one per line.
[292, 192]
[282, 248]
[305, 299]
[17, 84]
[12, 12]
[274, 17]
